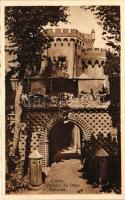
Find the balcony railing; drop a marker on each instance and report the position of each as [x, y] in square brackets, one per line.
[65, 100]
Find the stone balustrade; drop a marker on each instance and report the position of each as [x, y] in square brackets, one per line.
[65, 100]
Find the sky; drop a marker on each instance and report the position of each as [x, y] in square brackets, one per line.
[84, 21]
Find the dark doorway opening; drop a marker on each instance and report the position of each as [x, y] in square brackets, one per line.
[64, 142]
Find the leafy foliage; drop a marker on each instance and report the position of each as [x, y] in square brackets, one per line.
[15, 184]
[112, 64]
[89, 152]
[26, 34]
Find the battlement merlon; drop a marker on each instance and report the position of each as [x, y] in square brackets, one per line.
[94, 55]
[71, 33]
[97, 53]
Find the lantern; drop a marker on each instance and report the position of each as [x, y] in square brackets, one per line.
[101, 167]
[35, 170]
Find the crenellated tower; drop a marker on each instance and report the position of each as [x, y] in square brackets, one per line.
[70, 43]
[82, 59]
[93, 62]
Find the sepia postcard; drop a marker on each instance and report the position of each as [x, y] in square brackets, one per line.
[62, 99]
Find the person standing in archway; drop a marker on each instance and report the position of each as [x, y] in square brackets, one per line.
[75, 139]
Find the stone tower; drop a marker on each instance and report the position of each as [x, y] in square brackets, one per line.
[83, 60]
[70, 43]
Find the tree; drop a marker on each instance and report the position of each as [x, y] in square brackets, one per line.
[26, 33]
[25, 30]
[112, 64]
[109, 18]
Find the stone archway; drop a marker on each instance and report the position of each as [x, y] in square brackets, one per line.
[71, 117]
[46, 120]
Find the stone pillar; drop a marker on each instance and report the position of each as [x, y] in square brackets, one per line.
[44, 148]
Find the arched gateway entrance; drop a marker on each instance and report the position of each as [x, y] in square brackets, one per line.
[65, 141]
[53, 129]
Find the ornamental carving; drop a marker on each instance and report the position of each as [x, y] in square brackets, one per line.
[65, 100]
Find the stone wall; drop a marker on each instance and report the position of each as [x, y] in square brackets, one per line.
[39, 123]
[63, 49]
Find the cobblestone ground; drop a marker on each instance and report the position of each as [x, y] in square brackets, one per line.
[65, 177]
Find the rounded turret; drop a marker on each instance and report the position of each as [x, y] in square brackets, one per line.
[94, 55]
[94, 60]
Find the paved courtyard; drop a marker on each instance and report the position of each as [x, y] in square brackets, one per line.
[65, 177]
